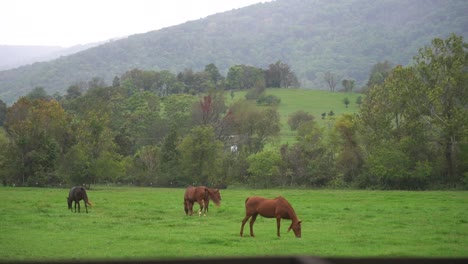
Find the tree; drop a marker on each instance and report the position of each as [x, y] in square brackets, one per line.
[419, 113]
[73, 91]
[213, 72]
[442, 70]
[359, 100]
[299, 117]
[311, 161]
[38, 93]
[264, 169]
[279, 75]
[379, 73]
[39, 132]
[331, 80]
[94, 143]
[169, 159]
[242, 77]
[96, 82]
[254, 126]
[348, 85]
[349, 158]
[201, 156]
[146, 163]
[3, 112]
[346, 101]
[116, 81]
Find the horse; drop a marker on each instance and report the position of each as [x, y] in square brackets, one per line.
[202, 195]
[278, 207]
[76, 194]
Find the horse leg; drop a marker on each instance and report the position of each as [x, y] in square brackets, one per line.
[86, 206]
[75, 206]
[202, 206]
[243, 223]
[191, 207]
[252, 221]
[278, 220]
[186, 206]
[78, 206]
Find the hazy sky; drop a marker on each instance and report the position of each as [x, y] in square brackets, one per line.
[71, 22]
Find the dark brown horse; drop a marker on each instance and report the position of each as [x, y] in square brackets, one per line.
[76, 194]
[202, 195]
[278, 208]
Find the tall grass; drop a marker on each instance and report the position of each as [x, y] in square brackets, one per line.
[150, 223]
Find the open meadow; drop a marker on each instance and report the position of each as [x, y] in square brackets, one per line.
[314, 102]
[150, 223]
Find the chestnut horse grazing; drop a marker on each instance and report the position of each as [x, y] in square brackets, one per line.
[278, 208]
[202, 195]
[76, 194]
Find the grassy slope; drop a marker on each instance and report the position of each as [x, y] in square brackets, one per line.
[314, 102]
[150, 223]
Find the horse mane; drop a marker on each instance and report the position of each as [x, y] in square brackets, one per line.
[291, 211]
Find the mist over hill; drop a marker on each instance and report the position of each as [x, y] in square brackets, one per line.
[346, 37]
[13, 56]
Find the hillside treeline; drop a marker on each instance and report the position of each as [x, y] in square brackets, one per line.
[155, 128]
[345, 37]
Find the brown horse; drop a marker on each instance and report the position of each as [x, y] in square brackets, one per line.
[76, 194]
[278, 208]
[202, 195]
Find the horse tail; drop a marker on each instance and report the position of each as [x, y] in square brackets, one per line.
[85, 197]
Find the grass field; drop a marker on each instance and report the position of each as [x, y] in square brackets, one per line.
[149, 223]
[314, 102]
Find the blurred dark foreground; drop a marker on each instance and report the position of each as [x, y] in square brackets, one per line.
[272, 260]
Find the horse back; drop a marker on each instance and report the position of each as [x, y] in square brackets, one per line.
[194, 193]
[78, 193]
[269, 207]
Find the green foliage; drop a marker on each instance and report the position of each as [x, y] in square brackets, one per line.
[346, 101]
[409, 132]
[299, 117]
[200, 157]
[268, 100]
[379, 73]
[280, 75]
[400, 118]
[264, 169]
[37, 130]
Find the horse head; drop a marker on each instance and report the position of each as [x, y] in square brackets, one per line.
[69, 201]
[215, 195]
[296, 227]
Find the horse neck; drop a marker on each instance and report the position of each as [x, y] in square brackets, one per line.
[291, 213]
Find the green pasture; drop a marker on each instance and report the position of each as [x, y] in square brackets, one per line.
[314, 102]
[150, 223]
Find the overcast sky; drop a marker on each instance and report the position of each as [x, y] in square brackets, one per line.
[71, 22]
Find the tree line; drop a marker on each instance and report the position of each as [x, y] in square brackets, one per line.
[154, 128]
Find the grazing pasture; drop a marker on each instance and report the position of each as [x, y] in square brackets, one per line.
[150, 223]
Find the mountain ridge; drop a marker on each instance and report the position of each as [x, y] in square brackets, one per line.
[344, 37]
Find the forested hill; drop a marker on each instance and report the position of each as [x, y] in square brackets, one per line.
[346, 37]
